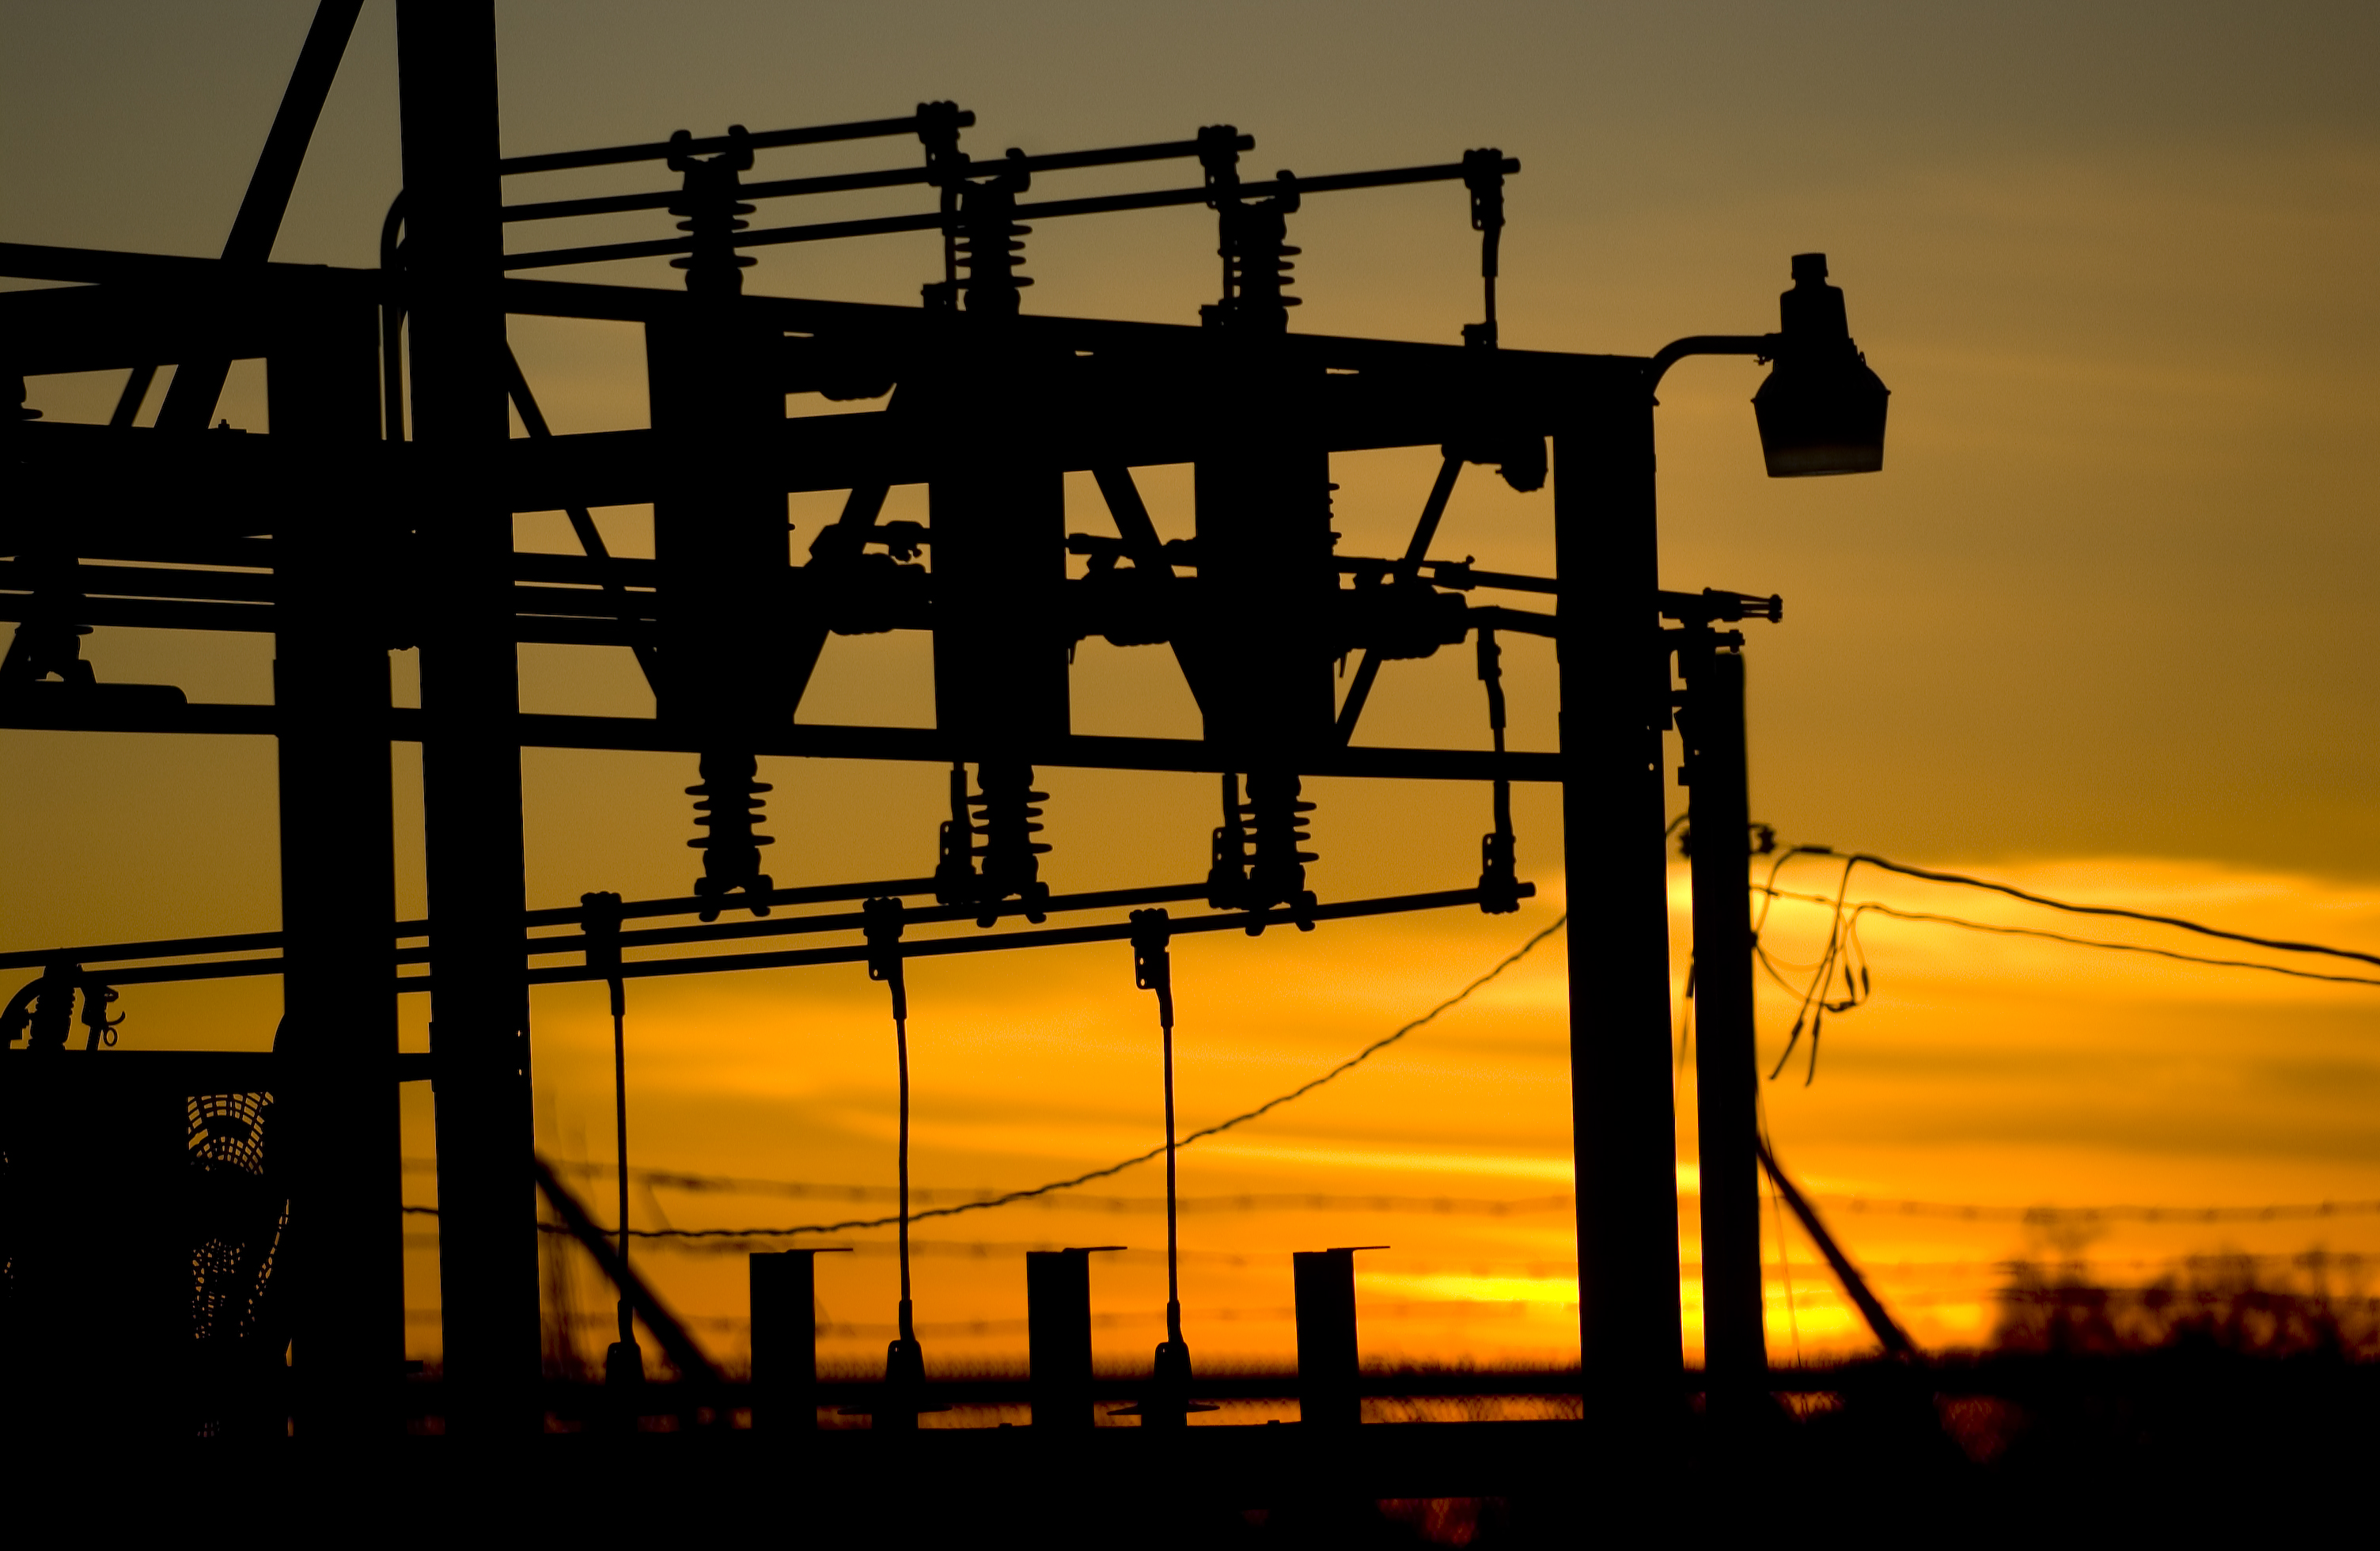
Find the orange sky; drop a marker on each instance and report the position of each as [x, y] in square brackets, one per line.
[2099, 629]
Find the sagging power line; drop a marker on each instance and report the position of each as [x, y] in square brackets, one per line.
[1844, 959]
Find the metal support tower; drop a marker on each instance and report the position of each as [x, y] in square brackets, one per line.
[470, 698]
[1613, 694]
[338, 1028]
[1725, 1082]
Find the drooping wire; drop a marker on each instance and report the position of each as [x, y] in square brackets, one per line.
[1814, 1006]
[1358, 1059]
[1846, 956]
[1932, 918]
[1930, 874]
[620, 1120]
[601, 918]
[1152, 970]
[1173, 1203]
[882, 927]
[901, 1044]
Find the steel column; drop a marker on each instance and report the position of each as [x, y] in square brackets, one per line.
[785, 1341]
[1613, 704]
[1266, 576]
[719, 536]
[338, 1028]
[470, 692]
[999, 526]
[1058, 1338]
[1329, 1393]
[1726, 1083]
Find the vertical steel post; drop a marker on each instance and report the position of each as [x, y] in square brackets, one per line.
[1329, 1392]
[1613, 706]
[471, 700]
[338, 884]
[785, 1341]
[719, 529]
[999, 525]
[1725, 1082]
[1265, 567]
[1057, 1337]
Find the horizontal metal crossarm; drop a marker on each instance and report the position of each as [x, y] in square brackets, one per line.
[171, 304]
[851, 921]
[883, 178]
[56, 708]
[767, 139]
[1104, 204]
[1054, 937]
[43, 260]
[562, 916]
[1251, 922]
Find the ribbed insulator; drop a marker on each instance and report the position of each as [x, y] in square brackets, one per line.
[1277, 825]
[1005, 821]
[728, 806]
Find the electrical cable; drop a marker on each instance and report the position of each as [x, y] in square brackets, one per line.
[906, 1217]
[1857, 859]
[620, 1117]
[1843, 949]
[1173, 1200]
[1879, 908]
[901, 1043]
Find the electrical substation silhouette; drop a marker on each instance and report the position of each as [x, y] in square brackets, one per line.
[377, 515]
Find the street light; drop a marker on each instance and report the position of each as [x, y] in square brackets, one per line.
[1821, 411]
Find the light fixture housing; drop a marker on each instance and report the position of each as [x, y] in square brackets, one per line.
[1821, 410]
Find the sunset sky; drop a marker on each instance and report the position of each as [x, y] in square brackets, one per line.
[2098, 629]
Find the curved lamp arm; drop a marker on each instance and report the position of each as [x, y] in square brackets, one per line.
[1766, 347]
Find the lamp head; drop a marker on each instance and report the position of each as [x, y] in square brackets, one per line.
[1821, 411]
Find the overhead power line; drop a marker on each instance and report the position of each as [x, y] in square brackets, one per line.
[1858, 907]
[1844, 957]
[1857, 859]
[2290, 1211]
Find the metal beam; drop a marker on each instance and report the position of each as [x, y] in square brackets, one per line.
[1613, 706]
[339, 1027]
[190, 397]
[470, 690]
[805, 741]
[1726, 1083]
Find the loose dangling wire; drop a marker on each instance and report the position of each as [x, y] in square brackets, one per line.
[905, 1362]
[1169, 1403]
[1152, 970]
[1841, 954]
[601, 918]
[883, 926]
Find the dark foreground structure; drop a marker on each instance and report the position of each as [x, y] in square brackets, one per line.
[377, 515]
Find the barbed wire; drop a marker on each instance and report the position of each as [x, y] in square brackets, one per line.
[1543, 1268]
[1458, 1308]
[1967, 1211]
[1242, 1200]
